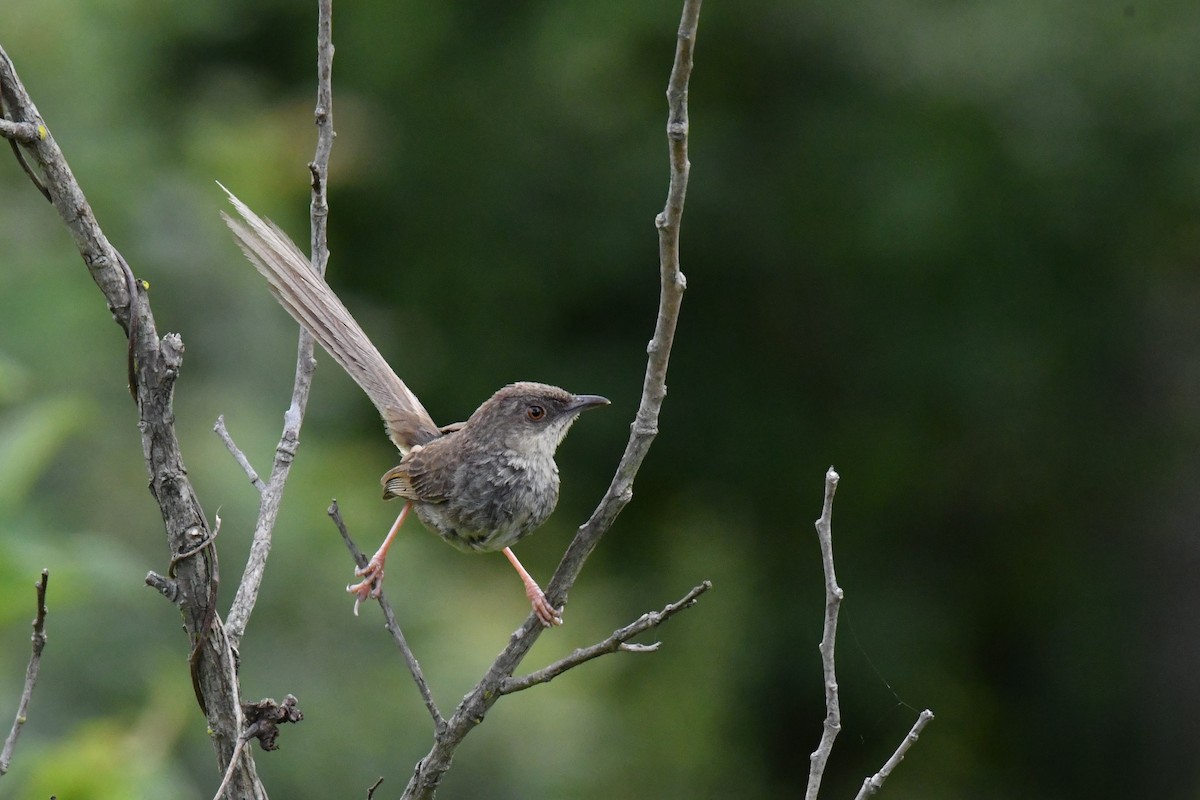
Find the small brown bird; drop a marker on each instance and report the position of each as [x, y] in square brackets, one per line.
[482, 484]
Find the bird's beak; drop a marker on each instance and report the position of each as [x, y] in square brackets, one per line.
[582, 402]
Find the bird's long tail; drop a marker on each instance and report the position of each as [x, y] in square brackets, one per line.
[310, 301]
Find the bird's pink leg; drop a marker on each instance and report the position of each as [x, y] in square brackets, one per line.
[541, 606]
[371, 584]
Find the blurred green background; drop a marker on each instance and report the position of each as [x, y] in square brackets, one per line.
[952, 248]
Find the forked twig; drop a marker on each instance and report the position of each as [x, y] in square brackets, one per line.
[617, 643]
[833, 716]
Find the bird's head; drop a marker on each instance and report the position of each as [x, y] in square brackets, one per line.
[529, 418]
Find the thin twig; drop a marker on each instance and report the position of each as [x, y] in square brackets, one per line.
[671, 288]
[306, 363]
[874, 783]
[833, 601]
[262, 720]
[56, 178]
[474, 706]
[31, 673]
[233, 762]
[238, 456]
[414, 668]
[19, 133]
[28, 170]
[616, 643]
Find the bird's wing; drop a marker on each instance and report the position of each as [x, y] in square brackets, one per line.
[416, 478]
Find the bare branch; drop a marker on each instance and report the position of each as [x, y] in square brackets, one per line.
[874, 783]
[474, 706]
[238, 456]
[31, 673]
[833, 718]
[671, 287]
[153, 365]
[617, 643]
[233, 762]
[101, 258]
[833, 601]
[414, 668]
[306, 363]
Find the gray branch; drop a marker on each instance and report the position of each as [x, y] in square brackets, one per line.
[874, 783]
[833, 715]
[153, 366]
[393, 627]
[271, 495]
[833, 602]
[617, 643]
[31, 673]
[223, 434]
[475, 705]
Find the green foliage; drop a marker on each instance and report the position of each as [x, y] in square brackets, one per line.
[30, 438]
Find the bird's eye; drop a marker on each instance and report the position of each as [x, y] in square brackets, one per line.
[535, 413]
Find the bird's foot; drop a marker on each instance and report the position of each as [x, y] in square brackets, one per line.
[548, 614]
[371, 585]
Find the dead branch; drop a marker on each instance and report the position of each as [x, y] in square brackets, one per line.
[874, 783]
[271, 495]
[31, 673]
[475, 705]
[833, 715]
[618, 642]
[153, 366]
[414, 668]
[833, 602]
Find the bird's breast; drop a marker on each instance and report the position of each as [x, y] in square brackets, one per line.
[494, 501]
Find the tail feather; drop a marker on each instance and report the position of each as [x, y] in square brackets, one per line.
[311, 302]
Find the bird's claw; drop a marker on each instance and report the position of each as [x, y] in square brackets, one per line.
[371, 585]
[547, 614]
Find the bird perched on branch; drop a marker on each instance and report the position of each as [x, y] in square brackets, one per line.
[481, 485]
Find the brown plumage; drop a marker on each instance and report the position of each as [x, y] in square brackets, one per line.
[482, 484]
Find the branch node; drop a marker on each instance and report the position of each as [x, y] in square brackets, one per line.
[167, 587]
[22, 132]
[197, 539]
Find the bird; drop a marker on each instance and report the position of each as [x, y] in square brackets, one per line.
[481, 485]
